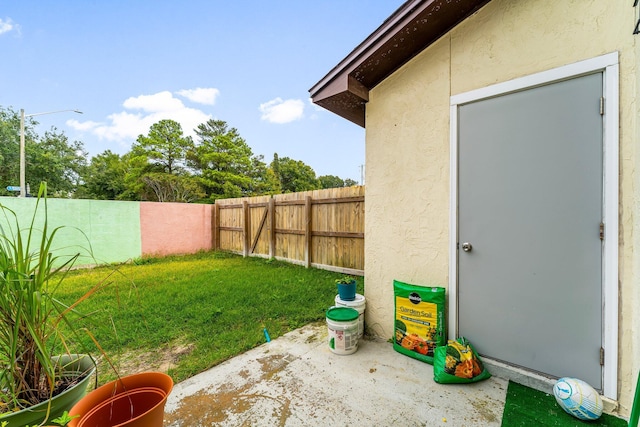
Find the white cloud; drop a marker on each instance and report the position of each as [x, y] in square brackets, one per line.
[125, 127]
[200, 95]
[158, 102]
[7, 25]
[82, 126]
[279, 111]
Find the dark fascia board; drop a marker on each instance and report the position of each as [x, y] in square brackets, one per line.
[407, 32]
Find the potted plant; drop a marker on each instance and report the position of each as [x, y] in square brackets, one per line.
[38, 367]
[346, 288]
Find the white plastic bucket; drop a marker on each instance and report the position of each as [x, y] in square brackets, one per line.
[342, 323]
[359, 304]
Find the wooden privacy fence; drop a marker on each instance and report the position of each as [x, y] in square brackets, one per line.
[320, 228]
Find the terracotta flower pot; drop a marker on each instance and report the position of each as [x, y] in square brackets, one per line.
[139, 407]
[133, 401]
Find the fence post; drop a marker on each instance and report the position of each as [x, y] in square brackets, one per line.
[246, 228]
[215, 227]
[307, 231]
[272, 227]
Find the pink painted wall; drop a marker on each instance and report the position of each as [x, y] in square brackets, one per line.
[174, 228]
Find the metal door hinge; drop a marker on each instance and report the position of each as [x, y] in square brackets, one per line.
[602, 231]
[602, 105]
[601, 356]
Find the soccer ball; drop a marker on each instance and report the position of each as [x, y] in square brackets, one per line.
[578, 398]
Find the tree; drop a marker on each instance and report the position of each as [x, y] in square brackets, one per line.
[134, 168]
[173, 188]
[104, 178]
[163, 151]
[330, 181]
[51, 158]
[225, 164]
[165, 148]
[56, 160]
[10, 147]
[294, 175]
[265, 180]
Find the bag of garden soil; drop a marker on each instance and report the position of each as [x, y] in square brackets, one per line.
[419, 322]
[457, 363]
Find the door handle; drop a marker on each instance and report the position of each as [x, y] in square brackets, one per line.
[466, 246]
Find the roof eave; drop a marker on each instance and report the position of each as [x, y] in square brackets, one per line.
[409, 30]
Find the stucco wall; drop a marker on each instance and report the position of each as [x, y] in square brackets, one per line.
[407, 192]
[108, 229]
[174, 228]
[407, 143]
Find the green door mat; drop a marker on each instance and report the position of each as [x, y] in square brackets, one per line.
[527, 407]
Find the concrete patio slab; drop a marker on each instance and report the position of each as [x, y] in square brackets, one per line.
[296, 380]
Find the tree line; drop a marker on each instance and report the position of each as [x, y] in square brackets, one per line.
[164, 165]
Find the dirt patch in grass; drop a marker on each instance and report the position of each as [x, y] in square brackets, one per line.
[160, 360]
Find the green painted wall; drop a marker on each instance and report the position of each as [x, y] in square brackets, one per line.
[110, 229]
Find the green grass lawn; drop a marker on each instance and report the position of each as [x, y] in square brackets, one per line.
[194, 311]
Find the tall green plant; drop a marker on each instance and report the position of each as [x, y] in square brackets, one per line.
[30, 315]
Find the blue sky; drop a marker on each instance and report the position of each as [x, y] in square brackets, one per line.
[128, 64]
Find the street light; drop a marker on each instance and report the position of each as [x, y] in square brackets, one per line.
[23, 188]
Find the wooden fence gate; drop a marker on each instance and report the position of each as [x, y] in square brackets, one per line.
[320, 228]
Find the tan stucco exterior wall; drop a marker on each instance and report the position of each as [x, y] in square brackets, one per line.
[407, 144]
